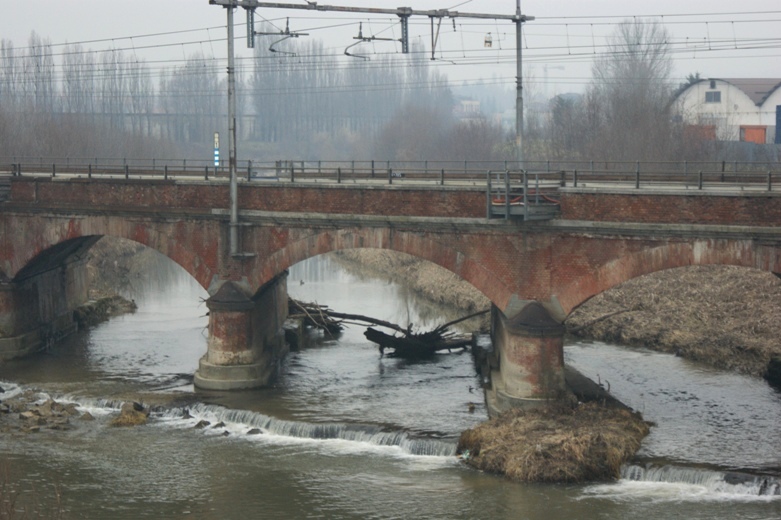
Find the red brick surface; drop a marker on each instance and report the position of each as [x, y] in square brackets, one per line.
[756, 210]
[503, 263]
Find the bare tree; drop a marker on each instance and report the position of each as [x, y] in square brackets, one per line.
[630, 92]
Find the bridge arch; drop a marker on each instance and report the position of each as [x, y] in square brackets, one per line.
[624, 267]
[58, 240]
[420, 245]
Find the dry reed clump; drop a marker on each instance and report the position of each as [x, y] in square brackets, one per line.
[555, 444]
[727, 317]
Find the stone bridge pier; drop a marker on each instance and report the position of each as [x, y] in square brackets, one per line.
[246, 336]
[526, 366]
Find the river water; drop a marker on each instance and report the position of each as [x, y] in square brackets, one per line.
[347, 434]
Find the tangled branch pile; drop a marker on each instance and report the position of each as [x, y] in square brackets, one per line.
[555, 444]
[314, 315]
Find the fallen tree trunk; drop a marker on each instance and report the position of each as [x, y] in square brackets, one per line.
[409, 344]
[413, 346]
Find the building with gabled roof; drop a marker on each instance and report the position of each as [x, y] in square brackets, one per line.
[741, 109]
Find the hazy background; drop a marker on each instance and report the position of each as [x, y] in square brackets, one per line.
[147, 77]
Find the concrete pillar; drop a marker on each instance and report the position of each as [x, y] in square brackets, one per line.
[246, 337]
[528, 362]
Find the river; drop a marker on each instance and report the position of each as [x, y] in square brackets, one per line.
[347, 434]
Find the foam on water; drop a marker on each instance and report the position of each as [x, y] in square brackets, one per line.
[679, 484]
[339, 438]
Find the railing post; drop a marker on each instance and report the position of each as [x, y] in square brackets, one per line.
[442, 177]
[352, 168]
[184, 164]
[525, 200]
[507, 194]
[89, 171]
[390, 176]
[575, 179]
[536, 188]
[319, 167]
[488, 195]
[127, 172]
[165, 172]
[699, 180]
[637, 175]
[54, 169]
[206, 173]
[339, 175]
[249, 170]
[563, 180]
[769, 181]
[292, 172]
[372, 168]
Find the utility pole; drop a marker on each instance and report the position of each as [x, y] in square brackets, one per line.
[518, 87]
[234, 190]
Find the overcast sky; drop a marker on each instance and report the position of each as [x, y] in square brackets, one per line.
[717, 38]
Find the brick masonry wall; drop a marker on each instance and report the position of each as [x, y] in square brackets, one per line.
[504, 263]
[745, 210]
[296, 198]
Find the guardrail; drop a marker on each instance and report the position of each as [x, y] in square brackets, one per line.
[639, 176]
[590, 166]
[391, 173]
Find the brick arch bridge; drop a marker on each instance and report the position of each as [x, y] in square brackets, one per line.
[535, 273]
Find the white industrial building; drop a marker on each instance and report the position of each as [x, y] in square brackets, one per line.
[732, 109]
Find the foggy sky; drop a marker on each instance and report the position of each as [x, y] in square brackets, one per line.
[564, 45]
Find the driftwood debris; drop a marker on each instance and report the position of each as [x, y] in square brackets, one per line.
[408, 344]
[314, 315]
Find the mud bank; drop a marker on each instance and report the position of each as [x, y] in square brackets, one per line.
[98, 311]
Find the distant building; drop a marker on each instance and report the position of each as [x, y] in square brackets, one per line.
[732, 109]
[467, 109]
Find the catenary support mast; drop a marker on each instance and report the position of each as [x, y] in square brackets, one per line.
[403, 13]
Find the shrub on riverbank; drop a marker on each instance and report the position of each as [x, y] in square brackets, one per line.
[555, 444]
